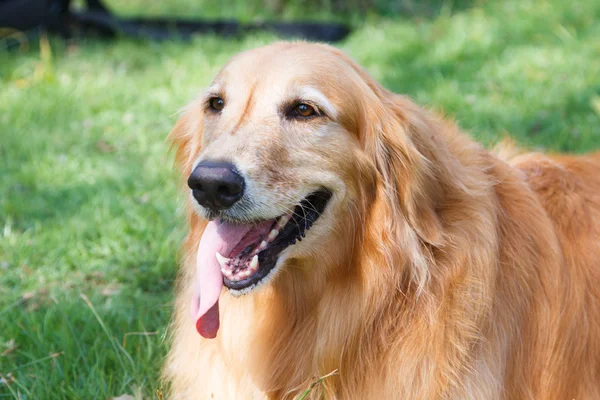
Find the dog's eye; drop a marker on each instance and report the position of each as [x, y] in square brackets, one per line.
[303, 110]
[216, 103]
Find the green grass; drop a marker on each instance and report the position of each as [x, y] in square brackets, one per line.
[89, 222]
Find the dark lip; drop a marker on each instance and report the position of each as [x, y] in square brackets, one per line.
[305, 215]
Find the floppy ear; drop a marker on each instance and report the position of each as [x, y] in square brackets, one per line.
[399, 138]
[186, 138]
[397, 135]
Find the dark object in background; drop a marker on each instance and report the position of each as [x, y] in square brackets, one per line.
[56, 16]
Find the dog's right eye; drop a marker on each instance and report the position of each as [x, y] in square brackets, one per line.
[216, 103]
[303, 111]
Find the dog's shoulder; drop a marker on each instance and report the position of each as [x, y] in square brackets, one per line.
[568, 187]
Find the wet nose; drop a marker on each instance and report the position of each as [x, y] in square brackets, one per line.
[216, 184]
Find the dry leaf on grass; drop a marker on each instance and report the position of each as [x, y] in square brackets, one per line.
[10, 346]
[104, 147]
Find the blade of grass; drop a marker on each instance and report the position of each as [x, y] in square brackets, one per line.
[73, 335]
[12, 305]
[8, 385]
[137, 334]
[117, 348]
[317, 383]
[39, 360]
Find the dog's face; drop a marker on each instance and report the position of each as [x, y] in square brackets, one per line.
[276, 159]
[283, 152]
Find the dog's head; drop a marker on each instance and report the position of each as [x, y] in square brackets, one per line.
[291, 146]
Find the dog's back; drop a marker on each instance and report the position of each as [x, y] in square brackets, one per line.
[568, 188]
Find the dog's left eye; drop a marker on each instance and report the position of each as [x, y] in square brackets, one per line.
[303, 110]
[216, 103]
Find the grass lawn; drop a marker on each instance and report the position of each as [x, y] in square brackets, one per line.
[89, 220]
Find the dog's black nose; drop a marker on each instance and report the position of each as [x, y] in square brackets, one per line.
[216, 184]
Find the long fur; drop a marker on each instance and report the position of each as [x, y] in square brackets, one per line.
[454, 273]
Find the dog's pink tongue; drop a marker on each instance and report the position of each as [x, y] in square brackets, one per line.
[222, 238]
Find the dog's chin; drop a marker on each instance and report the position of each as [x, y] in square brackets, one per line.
[268, 243]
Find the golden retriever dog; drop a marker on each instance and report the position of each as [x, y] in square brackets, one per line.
[338, 227]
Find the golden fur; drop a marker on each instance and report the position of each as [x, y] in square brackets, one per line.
[440, 270]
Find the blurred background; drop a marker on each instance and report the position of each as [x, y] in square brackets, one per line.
[90, 224]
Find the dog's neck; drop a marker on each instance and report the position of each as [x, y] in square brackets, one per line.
[310, 327]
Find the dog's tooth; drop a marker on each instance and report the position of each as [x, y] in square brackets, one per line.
[228, 273]
[263, 245]
[222, 260]
[254, 263]
[273, 234]
[283, 221]
[245, 273]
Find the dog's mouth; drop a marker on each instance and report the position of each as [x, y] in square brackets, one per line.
[242, 255]
[256, 255]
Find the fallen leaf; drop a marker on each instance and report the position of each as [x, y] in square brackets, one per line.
[104, 146]
[10, 347]
[22, 83]
[28, 295]
[111, 290]
[7, 379]
[26, 269]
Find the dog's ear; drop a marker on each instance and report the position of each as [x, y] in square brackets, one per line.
[397, 136]
[186, 137]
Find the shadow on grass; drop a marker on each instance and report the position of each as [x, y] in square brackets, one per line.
[422, 9]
